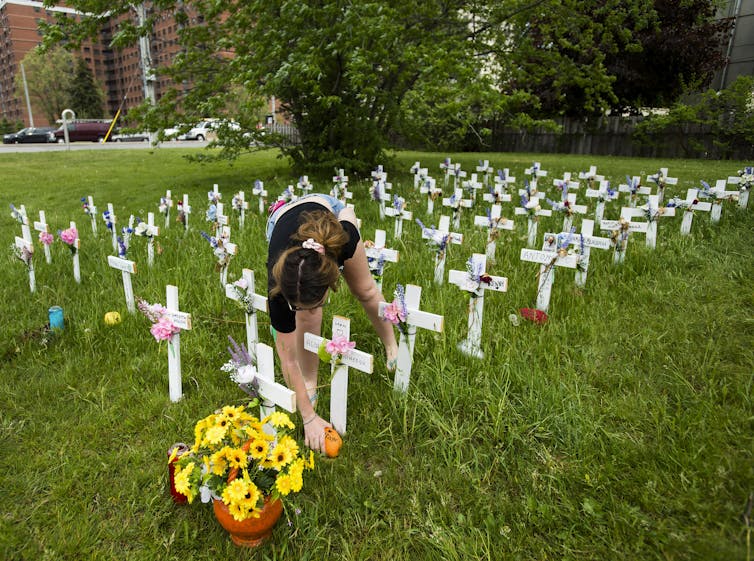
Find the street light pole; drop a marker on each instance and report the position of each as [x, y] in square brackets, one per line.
[26, 92]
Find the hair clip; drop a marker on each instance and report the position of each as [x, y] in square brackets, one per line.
[316, 246]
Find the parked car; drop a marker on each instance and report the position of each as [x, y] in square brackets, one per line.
[198, 132]
[28, 135]
[131, 137]
[93, 131]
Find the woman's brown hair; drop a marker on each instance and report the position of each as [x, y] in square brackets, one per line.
[301, 275]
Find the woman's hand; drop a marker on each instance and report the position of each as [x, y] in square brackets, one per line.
[314, 433]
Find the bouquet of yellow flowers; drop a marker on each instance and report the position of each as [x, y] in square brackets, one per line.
[234, 460]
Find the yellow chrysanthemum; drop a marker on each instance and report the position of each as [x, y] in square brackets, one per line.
[258, 449]
[235, 492]
[310, 463]
[219, 461]
[278, 459]
[215, 434]
[297, 481]
[182, 483]
[236, 457]
[283, 484]
[233, 413]
[238, 511]
[278, 419]
[289, 444]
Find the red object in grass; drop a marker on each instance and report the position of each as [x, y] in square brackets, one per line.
[532, 314]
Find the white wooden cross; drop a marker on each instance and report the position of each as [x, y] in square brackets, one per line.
[476, 281]
[441, 238]
[75, 255]
[429, 188]
[110, 223]
[19, 214]
[184, 209]
[150, 231]
[243, 291]
[503, 179]
[183, 321]
[399, 212]
[652, 211]
[661, 179]
[497, 195]
[230, 249]
[603, 194]
[25, 247]
[548, 260]
[534, 172]
[494, 222]
[340, 186]
[568, 208]
[41, 227]
[304, 184]
[377, 255]
[473, 185]
[220, 217]
[455, 202]
[261, 192]
[447, 169]
[620, 231]
[633, 187]
[407, 333]
[127, 268]
[166, 203]
[127, 231]
[486, 170]
[364, 362]
[689, 205]
[458, 175]
[591, 177]
[721, 195]
[262, 379]
[531, 208]
[745, 182]
[584, 243]
[379, 174]
[91, 210]
[420, 175]
[379, 190]
[565, 185]
[239, 203]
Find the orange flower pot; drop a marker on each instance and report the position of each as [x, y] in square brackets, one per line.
[251, 532]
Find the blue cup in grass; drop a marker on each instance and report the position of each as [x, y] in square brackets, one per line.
[56, 317]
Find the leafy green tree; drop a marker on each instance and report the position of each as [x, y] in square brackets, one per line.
[727, 115]
[86, 96]
[48, 75]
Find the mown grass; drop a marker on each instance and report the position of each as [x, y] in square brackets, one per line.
[621, 429]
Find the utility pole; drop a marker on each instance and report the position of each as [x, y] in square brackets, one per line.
[26, 92]
[145, 54]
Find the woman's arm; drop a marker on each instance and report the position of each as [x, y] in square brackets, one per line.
[314, 427]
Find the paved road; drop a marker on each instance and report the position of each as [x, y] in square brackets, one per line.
[18, 148]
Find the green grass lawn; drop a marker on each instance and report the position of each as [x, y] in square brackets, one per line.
[621, 429]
